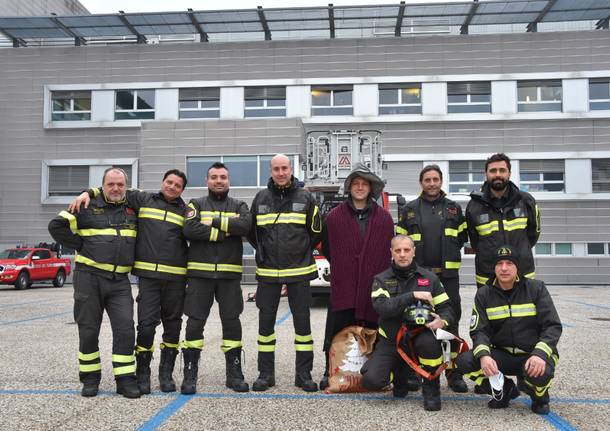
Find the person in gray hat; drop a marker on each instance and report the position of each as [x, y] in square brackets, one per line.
[356, 241]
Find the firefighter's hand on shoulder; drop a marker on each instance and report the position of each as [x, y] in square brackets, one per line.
[535, 366]
[81, 199]
[423, 296]
[437, 323]
[489, 366]
[206, 221]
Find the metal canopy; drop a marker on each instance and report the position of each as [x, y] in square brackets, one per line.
[305, 22]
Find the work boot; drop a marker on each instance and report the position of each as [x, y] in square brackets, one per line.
[143, 359]
[540, 406]
[166, 369]
[431, 391]
[91, 384]
[456, 382]
[304, 381]
[324, 381]
[509, 392]
[235, 377]
[265, 381]
[127, 386]
[413, 380]
[400, 384]
[191, 367]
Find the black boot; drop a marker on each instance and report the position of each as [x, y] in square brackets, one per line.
[400, 384]
[324, 381]
[191, 367]
[413, 380]
[91, 383]
[127, 386]
[143, 359]
[431, 390]
[304, 381]
[235, 377]
[509, 392]
[166, 369]
[540, 406]
[266, 368]
[456, 381]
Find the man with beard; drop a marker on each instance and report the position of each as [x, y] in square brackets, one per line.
[501, 214]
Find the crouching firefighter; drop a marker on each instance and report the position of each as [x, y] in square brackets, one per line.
[215, 225]
[514, 329]
[393, 291]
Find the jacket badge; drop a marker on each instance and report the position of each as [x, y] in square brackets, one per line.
[98, 210]
[452, 210]
[410, 214]
[424, 282]
[130, 211]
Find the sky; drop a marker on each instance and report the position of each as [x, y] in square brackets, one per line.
[113, 6]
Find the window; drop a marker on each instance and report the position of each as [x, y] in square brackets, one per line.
[465, 97]
[68, 180]
[542, 175]
[42, 254]
[244, 171]
[596, 248]
[134, 105]
[599, 94]
[544, 248]
[466, 176]
[199, 103]
[265, 102]
[399, 99]
[332, 100]
[563, 248]
[71, 105]
[601, 175]
[536, 96]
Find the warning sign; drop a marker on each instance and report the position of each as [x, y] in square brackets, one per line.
[344, 161]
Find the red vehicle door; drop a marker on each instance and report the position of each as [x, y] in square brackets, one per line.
[42, 265]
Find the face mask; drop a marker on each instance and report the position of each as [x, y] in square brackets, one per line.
[497, 384]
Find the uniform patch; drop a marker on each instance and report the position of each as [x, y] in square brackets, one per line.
[296, 206]
[391, 283]
[452, 210]
[410, 214]
[484, 218]
[190, 213]
[474, 318]
[98, 210]
[263, 209]
[423, 282]
[130, 211]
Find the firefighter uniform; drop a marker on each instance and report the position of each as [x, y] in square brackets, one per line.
[287, 225]
[104, 235]
[510, 326]
[439, 231]
[392, 293]
[513, 219]
[214, 270]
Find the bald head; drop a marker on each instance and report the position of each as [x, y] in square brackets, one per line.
[281, 170]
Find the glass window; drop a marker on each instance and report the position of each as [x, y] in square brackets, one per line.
[599, 94]
[596, 248]
[134, 105]
[332, 100]
[197, 170]
[399, 99]
[601, 175]
[68, 180]
[542, 175]
[245, 171]
[467, 97]
[199, 103]
[563, 248]
[543, 248]
[265, 102]
[71, 105]
[466, 176]
[42, 254]
[264, 170]
[536, 96]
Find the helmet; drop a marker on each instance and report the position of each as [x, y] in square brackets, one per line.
[418, 314]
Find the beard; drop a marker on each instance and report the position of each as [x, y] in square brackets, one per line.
[498, 184]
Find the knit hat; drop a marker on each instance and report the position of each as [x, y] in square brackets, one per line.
[363, 171]
[506, 252]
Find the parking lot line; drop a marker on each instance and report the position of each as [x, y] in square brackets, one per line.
[48, 316]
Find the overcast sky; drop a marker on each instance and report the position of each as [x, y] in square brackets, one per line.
[113, 6]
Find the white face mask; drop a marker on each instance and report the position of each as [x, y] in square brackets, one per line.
[497, 384]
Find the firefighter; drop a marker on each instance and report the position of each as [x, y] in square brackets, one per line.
[514, 329]
[286, 226]
[501, 214]
[160, 265]
[104, 235]
[215, 225]
[438, 228]
[403, 284]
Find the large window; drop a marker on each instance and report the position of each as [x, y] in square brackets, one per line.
[535, 96]
[71, 105]
[332, 100]
[134, 105]
[466, 176]
[68, 180]
[399, 99]
[601, 175]
[199, 103]
[244, 171]
[463, 97]
[265, 102]
[542, 175]
[599, 94]
[596, 248]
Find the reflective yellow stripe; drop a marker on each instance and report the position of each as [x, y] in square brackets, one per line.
[198, 266]
[438, 299]
[530, 275]
[266, 338]
[313, 219]
[174, 218]
[148, 266]
[145, 265]
[452, 265]
[522, 310]
[71, 219]
[228, 267]
[400, 230]
[224, 223]
[303, 347]
[212, 267]
[382, 332]
[152, 213]
[514, 350]
[487, 228]
[496, 313]
[302, 338]
[272, 218]
[127, 369]
[539, 390]
[544, 347]
[88, 356]
[415, 236]
[214, 234]
[435, 362]
[481, 348]
[451, 232]
[103, 266]
[123, 358]
[144, 349]
[268, 272]
[230, 344]
[107, 232]
[480, 279]
[476, 376]
[88, 368]
[462, 227]
[266, 347]
[515, 224]
[193, 344]
[379, 292]
[537, 219]
[166, 345]
[212, 214]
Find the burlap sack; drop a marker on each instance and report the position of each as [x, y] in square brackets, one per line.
[349, 351]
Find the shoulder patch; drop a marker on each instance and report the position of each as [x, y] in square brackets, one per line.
[297, 206]
[474, 318]
[423, 282]
[452, 210]
[130, 211]
[484, 218]
[97, 210]
[190, 213]
[390, 283]
[410, 214]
